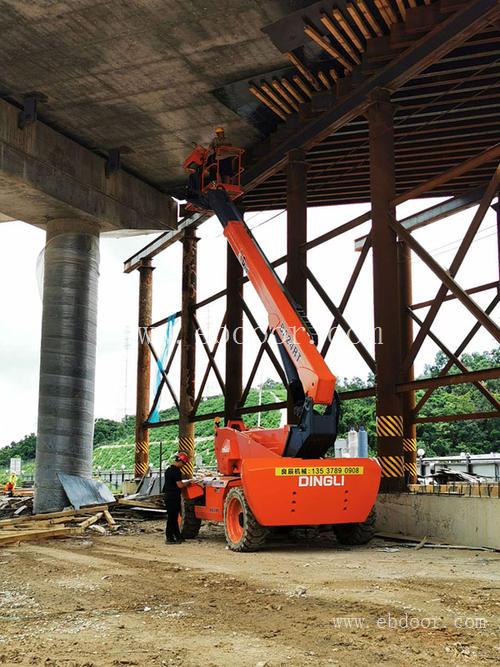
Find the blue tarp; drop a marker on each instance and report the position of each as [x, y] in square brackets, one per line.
[155, 415]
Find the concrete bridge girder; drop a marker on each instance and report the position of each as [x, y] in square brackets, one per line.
[45, 175]
[50, 181]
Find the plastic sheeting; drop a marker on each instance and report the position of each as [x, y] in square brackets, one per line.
[40, 271]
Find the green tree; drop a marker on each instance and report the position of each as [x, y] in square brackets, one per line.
[25, 448]
[442, 438]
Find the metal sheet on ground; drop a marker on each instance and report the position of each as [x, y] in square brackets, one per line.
[82, 491]
[149, 486]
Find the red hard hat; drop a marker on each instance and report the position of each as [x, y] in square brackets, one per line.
[181, 456]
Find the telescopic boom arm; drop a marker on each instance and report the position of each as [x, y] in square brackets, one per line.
[317, 380]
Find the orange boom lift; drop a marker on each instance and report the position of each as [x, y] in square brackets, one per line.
[276, 477]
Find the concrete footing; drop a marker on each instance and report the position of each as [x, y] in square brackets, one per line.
[67, 359]
[458, 520]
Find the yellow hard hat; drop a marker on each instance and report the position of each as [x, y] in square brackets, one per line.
[219, 129]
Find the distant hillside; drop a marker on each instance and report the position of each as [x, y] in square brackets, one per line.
[116, 454]
[113, 440]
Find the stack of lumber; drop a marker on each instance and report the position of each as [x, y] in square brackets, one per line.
[66, 523]
[23, 493]
[142, 502]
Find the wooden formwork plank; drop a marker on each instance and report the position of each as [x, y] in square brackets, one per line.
[54, 515]
[109, 519]
[26, 525]
[91, 520]
[24, 536]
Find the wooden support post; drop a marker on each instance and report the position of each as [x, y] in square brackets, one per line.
[188, 349]
[407, 399]
[141, 462]
[296, 279]
[386, 297]
[234, 343]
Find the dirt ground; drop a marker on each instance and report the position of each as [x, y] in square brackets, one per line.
[129, 599]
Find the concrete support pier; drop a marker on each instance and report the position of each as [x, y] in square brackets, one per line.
[67, 359]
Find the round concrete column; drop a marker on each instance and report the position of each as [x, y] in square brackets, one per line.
[67, 359]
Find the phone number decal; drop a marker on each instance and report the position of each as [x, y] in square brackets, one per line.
[321, 470]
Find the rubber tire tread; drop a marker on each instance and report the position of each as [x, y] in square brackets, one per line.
[254, 535]
[190, 523]
[356, 533]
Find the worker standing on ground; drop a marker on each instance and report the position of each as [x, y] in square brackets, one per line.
[10, 487]
[172, 492]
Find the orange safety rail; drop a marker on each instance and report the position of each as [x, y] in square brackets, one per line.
[210, 172]
[304, 492]
[195, 159]
[232, 188]
[317, 379]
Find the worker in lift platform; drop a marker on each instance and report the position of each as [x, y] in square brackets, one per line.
[218, 141]
[225, 164]
[172, 492]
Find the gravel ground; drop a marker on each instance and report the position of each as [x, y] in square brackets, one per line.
[129, 599]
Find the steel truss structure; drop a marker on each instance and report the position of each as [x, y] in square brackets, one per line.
[470, 178]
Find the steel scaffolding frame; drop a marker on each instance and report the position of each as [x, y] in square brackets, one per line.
[390, 240]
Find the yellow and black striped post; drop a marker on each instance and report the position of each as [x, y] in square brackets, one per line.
[186, 445]
[188, 350]
[141, 462]
[408, 398]
[386, 298]
[410, 458]
[389, 437]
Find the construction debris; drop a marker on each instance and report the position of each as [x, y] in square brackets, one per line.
[14, 505]
[474, 490]
[446, 475]
[421, 543]
[82, 491]
[98, 529]
[416, 543]
[18, 524]
[140, 504]
[67, 523]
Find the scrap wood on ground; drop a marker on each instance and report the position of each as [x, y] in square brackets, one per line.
[67, 523]
[18, 524]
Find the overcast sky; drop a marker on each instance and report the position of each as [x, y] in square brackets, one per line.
[20, 303]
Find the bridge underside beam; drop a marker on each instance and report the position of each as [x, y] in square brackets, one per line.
[441, 40]
[45, 175]
[445, 37]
